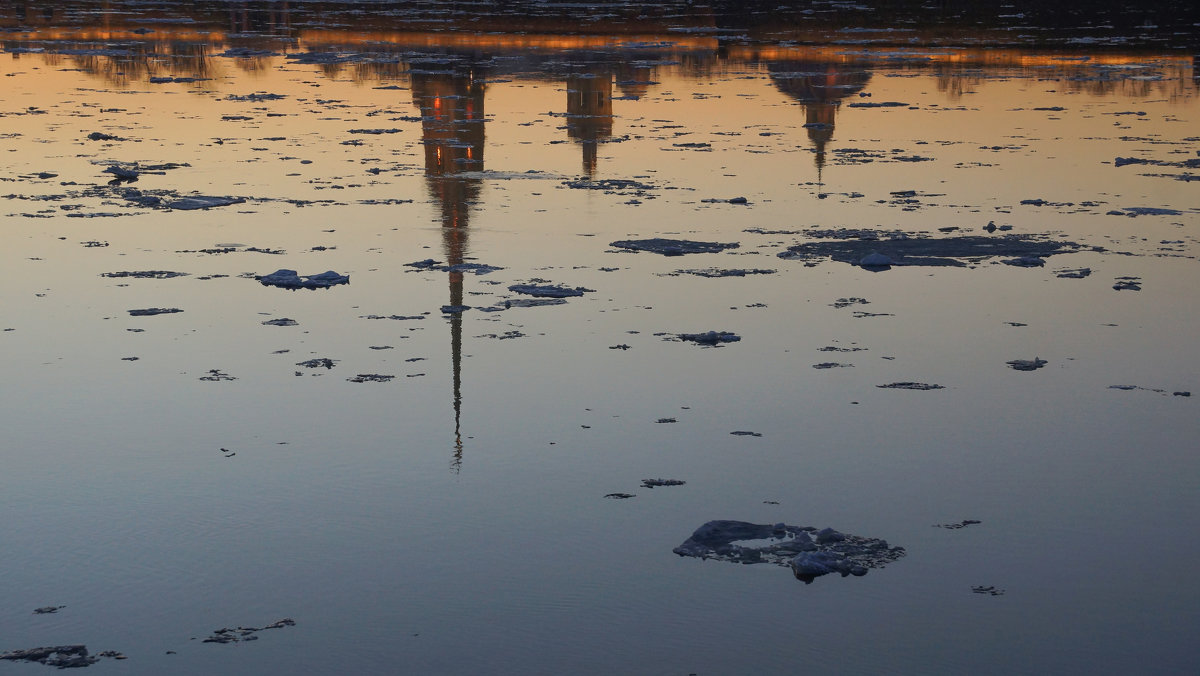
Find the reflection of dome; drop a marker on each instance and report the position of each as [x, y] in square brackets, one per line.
[817, 82]
[820, 87]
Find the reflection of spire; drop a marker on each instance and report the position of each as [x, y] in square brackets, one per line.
[590, 112]
[818, 120]
[452, 130]
[820, 87]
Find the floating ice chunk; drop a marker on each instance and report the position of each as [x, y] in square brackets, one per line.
[875, 260]
[290, 279]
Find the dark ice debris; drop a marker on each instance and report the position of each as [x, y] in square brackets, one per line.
[710, 338]
[809, 552]
[673, 247]
[547, 290]
[620, 496]
[47, 610]
[203, 202]
[961, 524]
[61, 656]
[239, 634]
[1128, 284]
[847, 302]
[945, 251]
[745, 433]
[718, 272]
[1076, 273]
[164, 79]
[113, 654]
[989, 590]
[1027, 364]
[214, 375]
[145, 274]
[1025, 261]
[1147, 389]
[611, 185]
[878, 104]
[395, 317]
[908, 385]
[146, 312]
[101, 136]
[1133, 212]
[430, 264]
[529, 302]
[256, 97]
[664, 421]
[122, 174]
[319, 362]
[655, 483]
[370, 378]
[1188, 164]
[831, 365]
[282, 321]
[474, 268]
[455, 309]
[289, 279]
[507, 335]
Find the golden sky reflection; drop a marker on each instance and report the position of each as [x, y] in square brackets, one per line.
[474, 151]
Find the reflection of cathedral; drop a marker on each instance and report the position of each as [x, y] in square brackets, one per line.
[590, 112]
[452, 122]
[820, 88]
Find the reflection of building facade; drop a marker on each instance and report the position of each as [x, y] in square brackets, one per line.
[590, 112]
[452, 130]
[820, 88]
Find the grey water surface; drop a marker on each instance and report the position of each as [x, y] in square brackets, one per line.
[412, 464]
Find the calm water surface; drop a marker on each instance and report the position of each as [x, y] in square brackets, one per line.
[452, 520]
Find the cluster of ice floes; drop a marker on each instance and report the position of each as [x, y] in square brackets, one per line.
[810, 552]
[290, 279]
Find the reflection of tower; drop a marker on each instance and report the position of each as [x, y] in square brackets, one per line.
[820, 87]
[634, 79]
[589, 112]
[452, 130]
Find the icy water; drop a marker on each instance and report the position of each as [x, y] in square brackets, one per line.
[422, 488]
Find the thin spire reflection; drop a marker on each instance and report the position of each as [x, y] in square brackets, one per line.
[452, 120]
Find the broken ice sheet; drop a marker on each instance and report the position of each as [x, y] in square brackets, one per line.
[808, 551]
